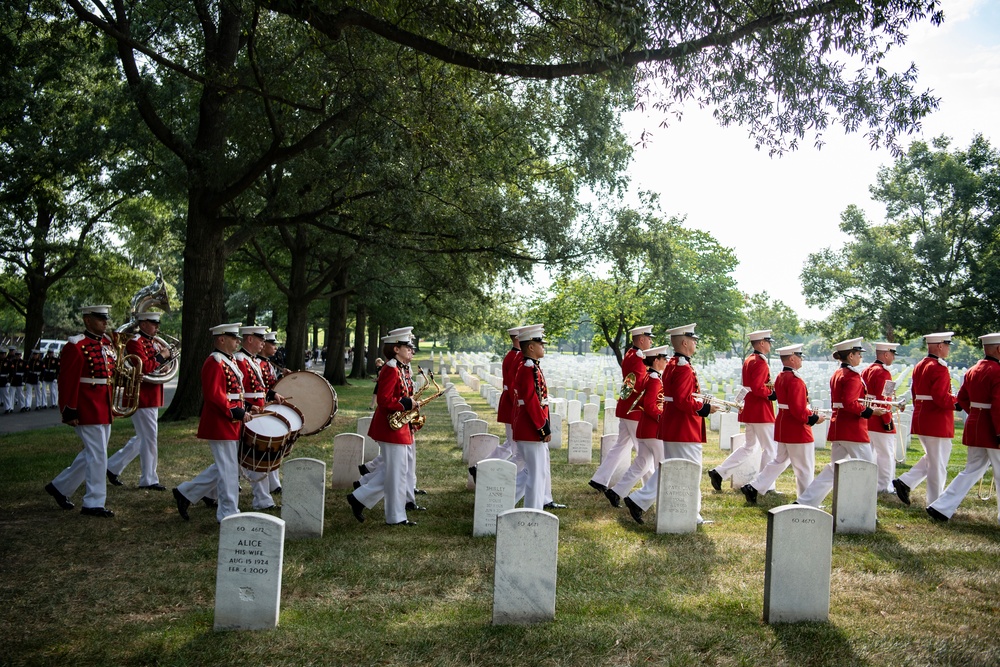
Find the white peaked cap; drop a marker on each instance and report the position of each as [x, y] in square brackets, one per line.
[534, 332]
[686, 330]
[402, 331]
[149, 315]
[253, 331]
[990, 339]
[882, 346]
[763, 334]
[849, 344]
[645, 330]
[271, 337]
[399, 336]
[665, 350]
[233, 328]
[789, 350]
[513, 331]
[939, 337]
[95, 310]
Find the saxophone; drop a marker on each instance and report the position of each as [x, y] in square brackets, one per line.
[398, 420]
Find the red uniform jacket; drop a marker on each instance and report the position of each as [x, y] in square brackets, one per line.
[222, 386]
[933, 402]
[875, 377]
[531, 419]
[650, 407]
[631, 363]
[84, 358]
[142, 346]
[683, 418]
[508, 370]
[793, 425]
[850, 418]
[254, 391]
[394, 384]
[269, 373]
[981, 389]
[757, 408]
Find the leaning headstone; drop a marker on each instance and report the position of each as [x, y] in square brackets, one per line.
[580, 442]
[303, 497]
[607, 442]
[797, 564]
[471, 427]
[524, 574]
[348, 454]
[749, 467]
[556, 426]
[677, 496]
[494, 494]
[371, 447]
[590, 414]
[729, 425]
[481, 445]
[248, 572]
[855, 491]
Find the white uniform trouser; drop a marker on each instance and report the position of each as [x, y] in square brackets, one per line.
[646, 496]
[623, 446]
[823, 484]
[538, 481]
[884, 445]
[260, 486]
[378, 463]
[219, 480]
[273, 480]
[375, 463]
[35, 397]
[89, 466]
[802, 458]
[52, 389]
[979, 459]
[757, 434]
[388, 482]
[506, 450]
[649, 454]
[932, 466]
[7, 396]
[142, 444]
[22, 395]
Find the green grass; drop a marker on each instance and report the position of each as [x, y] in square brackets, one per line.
[139, 589]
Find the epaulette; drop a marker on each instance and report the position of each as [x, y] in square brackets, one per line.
[681, 361]
[391, 363]
[943, 362]
[136, 337]
[238, 355]
[529, 363]
[219, 357]
[652, 374]
[856, 369]
[73, 340]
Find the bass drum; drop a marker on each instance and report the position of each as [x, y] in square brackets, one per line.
[264, 442]
[313, 396]
[291, 414]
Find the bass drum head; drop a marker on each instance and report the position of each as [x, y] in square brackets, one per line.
[313, 396]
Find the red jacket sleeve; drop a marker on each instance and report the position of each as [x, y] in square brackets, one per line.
[213, 387]
[939, 386]
[755, 372]
[525, 389]
[390, 389]
[70, 372]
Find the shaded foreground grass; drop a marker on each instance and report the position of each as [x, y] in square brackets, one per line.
[139, 589]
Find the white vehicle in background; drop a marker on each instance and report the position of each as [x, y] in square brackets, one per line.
[47, 344]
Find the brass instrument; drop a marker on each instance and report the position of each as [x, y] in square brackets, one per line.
[636, 404]
[155, 294]
[896, 406]
[824, 412]
[398, 420]
[724, 406]
[125, 380]
[628, 386]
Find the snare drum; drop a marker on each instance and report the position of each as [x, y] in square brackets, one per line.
[264, 442]
[291, 414]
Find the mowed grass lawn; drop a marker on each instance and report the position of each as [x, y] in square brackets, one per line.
[139, 589]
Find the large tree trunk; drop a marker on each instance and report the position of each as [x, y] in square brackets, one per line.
[337, 326]
[373, 348]
[34, 319]
[204, 282]
[298, 331]
[358, 369]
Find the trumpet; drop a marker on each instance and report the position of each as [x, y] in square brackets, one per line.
[824, 412]
[398, 420]
[895, 406]
[628, 386]
[724, 406]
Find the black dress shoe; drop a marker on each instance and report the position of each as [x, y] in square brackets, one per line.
[357, 507]
[553, 506]
[419, 492]
[267, 509]
[902, 492]
[613, 498]
[597, 486]
[937, 516]
[413, 507]
[472, 471]
[356, 484]
[750, 493]
[61, 500]
[363, 469]
[154, 487]
[211, 503]
[115, 479]
[276, 492]
[97, 511]
[404, 522]
[182, 504]
[716, 479]
[634, 510]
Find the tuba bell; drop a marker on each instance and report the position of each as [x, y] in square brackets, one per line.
[150, 296]
[125, 380]
[628, 386]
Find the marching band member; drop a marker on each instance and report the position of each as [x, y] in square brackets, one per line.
[532, 431]
[848, 433]
[649, 405]
[757, 413]
[16, 366]
[933, 420]
[271, 374]
[632, 364]
[255, 395]
[143, 444]
[682, 424]
[33, 398]
[507, 450]
[222, 417]
[980, 398]
[792, 429]
[5, 357]
[50, 371]
[88, 361]
[881, 429]
[395, 394]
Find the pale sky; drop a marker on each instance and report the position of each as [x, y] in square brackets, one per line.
[775, 211]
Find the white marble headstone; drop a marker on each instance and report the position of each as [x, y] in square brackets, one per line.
[248, 572]
[573, 409]
[303, 497]
[797, 564]
[494, 494]
[678, 496]
[729, 425]
[348, 454]
[371, 447]
[745, 472]
[556, 426]
[591, 412]
[460, 419]
[481, 445]
[855, 492]
[524, 576]
[471, 427]
[580, 442]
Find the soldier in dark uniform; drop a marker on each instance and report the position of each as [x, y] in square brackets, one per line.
[5, 400]
[32, 381]
[50, 371]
